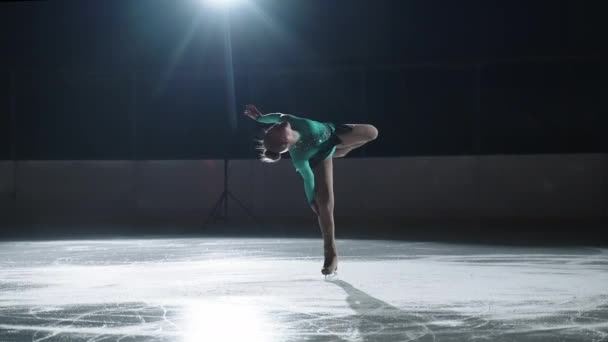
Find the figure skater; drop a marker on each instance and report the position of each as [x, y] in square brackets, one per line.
[312, 145]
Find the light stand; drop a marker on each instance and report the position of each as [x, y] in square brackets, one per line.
[222, 203]
[217, 213]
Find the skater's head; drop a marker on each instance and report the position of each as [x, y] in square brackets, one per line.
[277, 139]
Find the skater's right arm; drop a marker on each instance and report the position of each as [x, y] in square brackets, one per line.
[252, 112]
[271, 118]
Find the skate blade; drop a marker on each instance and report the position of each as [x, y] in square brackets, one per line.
[331, 276]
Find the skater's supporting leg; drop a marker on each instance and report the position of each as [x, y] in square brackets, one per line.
[324, 208]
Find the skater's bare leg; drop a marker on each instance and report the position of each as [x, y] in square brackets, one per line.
[324, 208]
[341, 152]
[360, 135]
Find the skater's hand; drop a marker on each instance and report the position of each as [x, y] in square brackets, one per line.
[252, 112]
[313, 206]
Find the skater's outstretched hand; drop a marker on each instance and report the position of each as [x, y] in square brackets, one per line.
[252, 112]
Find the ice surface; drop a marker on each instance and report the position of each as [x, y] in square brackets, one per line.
[273, 290]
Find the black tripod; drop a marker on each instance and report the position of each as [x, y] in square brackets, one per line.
[217, 214]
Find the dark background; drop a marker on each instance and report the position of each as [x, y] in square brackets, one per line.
[144, 79]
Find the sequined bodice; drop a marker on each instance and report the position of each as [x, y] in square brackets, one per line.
[310, 139]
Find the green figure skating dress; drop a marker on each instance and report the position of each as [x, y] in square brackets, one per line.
[317, 142]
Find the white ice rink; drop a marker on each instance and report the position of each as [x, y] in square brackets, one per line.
[272, 290]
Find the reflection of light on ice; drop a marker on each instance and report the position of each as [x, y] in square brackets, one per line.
[199, 290]
[224, 321]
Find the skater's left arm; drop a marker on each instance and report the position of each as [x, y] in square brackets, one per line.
[309, 179]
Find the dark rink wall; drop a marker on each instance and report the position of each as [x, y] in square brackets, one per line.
[535, 189]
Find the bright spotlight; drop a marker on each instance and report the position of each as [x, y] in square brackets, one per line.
[221, 3]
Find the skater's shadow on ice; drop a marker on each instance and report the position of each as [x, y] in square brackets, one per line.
[376, 320]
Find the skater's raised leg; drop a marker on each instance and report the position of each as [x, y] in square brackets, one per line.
[323, 206]
[360, 135]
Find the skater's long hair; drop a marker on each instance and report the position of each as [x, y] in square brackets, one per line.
[264, 154]
[269, 145]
